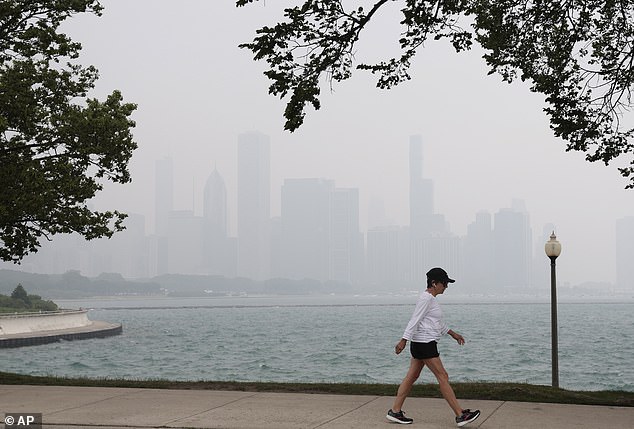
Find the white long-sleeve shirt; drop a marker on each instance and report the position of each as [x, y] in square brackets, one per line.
[426, 323]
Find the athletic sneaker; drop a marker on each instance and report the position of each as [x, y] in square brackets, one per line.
[467, 417]
[399, 417]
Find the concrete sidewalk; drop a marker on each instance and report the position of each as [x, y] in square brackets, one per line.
[90, 407]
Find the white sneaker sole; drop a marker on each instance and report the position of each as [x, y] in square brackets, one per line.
[395, 420]
[468, 421]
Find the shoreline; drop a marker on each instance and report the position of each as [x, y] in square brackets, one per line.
[29, 329]
[96, 329]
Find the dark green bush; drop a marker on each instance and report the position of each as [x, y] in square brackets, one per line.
[20, 300]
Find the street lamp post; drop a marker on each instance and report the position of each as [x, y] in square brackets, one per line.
[553, 249]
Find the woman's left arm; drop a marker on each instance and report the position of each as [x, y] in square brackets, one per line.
[456, 336]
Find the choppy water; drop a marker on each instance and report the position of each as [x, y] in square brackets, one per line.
[338, 340]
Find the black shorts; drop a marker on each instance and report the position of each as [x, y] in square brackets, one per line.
[424, 350]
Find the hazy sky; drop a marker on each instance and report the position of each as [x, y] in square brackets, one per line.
[486, 142]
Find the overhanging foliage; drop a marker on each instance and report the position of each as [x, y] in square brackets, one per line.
[578, 54]
[56, 146]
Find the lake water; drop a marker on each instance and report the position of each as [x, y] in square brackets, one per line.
[340, 339]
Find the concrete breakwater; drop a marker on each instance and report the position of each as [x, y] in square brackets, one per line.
[24, 329]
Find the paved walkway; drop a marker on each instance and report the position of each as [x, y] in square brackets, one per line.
[108, 408]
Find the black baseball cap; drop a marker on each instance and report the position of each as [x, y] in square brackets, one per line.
[439, 275]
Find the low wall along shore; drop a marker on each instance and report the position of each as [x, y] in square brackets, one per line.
[25, 329]
[21, 323]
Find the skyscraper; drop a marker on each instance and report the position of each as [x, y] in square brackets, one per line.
[305, 228]
[421, 191]
[512, 247]
[218, 249]
[319, 231]
[388, 257]
[438, 250]
[431, 242]
[346, 241]
[215, 205]
[254, 192]
[478, 251]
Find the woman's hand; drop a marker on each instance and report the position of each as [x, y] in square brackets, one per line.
[456, 336]
[398, 348]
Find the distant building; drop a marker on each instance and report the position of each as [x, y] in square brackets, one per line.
[219, 255]
[625, 253]
[437, 250]
[277, 256]
[431, 242]
[185, 243]
[65, 252]
[254, 191]
[305, 228]
[512, 244]
[126, 252]
[128, 249]
[163, 206]
[346, 240]
[421, 192]
[215, 205]
[478, 252]
[317, 235]
[388, 257]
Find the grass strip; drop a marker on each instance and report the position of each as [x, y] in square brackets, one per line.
[519, 392]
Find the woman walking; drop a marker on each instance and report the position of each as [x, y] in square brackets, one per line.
[423, 331]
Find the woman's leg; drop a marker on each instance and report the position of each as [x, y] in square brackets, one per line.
[415, 367]
[435, 365]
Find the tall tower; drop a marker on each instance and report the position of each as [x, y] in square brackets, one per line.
[421, 191]
[254, 193]
[431, 242]
[219, 256]
[215, 205]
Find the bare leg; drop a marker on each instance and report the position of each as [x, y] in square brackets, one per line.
[436, 366]
[415, 367]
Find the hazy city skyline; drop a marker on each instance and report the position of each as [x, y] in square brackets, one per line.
[317, 238]
[485, 142]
